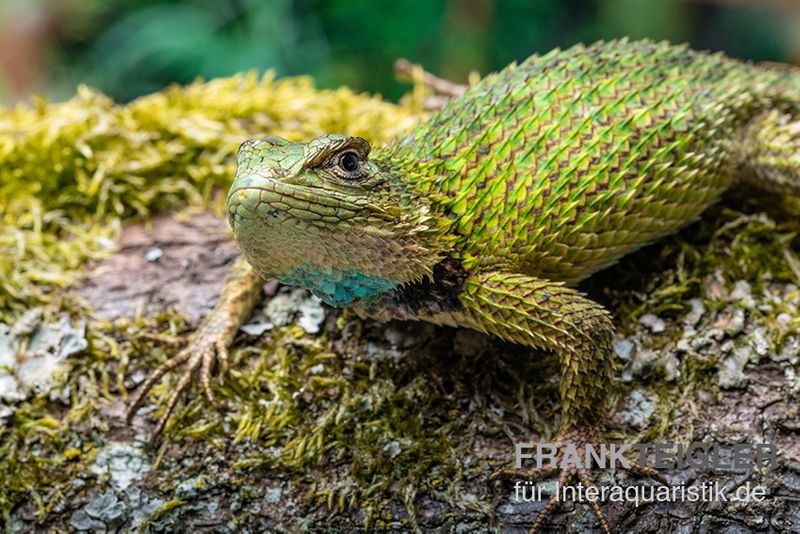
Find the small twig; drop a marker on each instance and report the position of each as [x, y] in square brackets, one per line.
[405, 70]
[777, 65]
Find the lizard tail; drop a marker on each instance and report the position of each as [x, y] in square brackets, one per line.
[772, 150]
[771, 142]
[786, 85]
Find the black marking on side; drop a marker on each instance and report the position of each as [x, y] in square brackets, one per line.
[426, 297]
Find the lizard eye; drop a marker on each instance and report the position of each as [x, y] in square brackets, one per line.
[348, 162]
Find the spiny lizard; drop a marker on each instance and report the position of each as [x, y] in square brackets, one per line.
[487, 214]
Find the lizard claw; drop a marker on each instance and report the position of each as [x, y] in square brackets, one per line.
[208, 345]
[579, 437]
[203, 349]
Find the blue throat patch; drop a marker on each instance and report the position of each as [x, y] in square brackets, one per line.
[338, 287]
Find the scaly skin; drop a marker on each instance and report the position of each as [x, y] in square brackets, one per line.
[486, 215]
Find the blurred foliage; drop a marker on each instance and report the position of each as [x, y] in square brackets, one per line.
[127, 49]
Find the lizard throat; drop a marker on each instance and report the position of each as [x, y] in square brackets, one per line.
[338, 287]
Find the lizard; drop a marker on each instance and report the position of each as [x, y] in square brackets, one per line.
[487, 214]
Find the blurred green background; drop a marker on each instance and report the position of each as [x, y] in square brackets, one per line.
[129, 48]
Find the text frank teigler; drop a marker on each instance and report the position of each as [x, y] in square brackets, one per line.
[676, 456]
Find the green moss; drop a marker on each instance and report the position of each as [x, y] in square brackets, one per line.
[46, 444]
[359, 430]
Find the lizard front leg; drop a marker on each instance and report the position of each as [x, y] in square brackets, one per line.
[548, 315]
[209, 343]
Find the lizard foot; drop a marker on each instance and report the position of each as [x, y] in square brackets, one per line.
[205, 347]
[578, 437]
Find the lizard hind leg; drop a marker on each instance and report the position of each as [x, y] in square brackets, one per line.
[772, 153]
[548, 315]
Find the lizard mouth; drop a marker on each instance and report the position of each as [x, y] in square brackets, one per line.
[257, 196]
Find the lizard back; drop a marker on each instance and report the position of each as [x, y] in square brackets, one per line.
[560, 165]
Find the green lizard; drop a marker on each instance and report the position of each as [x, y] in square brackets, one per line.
[487, 214]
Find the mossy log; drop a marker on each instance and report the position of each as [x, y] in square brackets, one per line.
[110, 218]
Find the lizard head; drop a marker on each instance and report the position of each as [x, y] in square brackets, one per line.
[322, 215]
